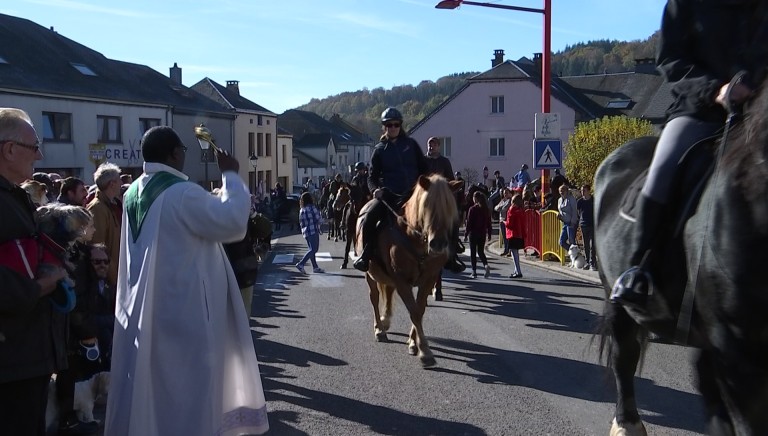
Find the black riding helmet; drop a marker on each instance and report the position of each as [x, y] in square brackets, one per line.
[391, 114]
[360, 166]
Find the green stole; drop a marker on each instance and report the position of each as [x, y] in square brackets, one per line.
[137, 206]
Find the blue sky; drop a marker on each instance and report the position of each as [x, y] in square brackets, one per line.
[286, 52]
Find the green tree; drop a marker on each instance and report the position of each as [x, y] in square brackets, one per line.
[593, 141]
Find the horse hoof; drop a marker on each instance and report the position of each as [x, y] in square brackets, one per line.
[335, 239]
[412, 350]
[636, 429]
[381, 337]
[427, 361]
[343, 266]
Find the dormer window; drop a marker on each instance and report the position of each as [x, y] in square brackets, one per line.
[618, 104]
[84, 69]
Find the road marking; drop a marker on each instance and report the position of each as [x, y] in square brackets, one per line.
[282, 258]
[324, 280]
[323, 256]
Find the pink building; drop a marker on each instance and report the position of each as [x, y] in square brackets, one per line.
[490, 121]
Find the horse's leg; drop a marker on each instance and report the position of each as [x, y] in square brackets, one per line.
[625, 354]
[386, 319]
[717, 414]
[346, 250]
[416, 338]
[378, 330]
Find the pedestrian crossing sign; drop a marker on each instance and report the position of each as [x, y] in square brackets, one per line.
[547, 154]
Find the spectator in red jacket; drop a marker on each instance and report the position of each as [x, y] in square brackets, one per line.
[515, 225]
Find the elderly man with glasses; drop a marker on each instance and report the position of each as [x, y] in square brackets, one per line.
[107, 212]
[33, 342]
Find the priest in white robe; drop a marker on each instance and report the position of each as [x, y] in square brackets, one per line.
[183, 357]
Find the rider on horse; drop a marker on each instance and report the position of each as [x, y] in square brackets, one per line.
[396, 164]
[358, 186]
[702, 46]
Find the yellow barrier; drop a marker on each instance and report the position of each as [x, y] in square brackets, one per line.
[551, 227]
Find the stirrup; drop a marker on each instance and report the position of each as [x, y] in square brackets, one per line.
[632, 288]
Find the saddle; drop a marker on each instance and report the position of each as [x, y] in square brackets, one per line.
[695, 169]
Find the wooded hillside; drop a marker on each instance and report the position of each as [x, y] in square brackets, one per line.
[363, 107]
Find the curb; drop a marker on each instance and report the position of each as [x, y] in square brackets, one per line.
[588, 276]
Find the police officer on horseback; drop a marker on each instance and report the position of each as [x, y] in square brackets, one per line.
[396, 163]
[702, 46]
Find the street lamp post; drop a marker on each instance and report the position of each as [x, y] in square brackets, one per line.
[254, 161]
[545, 56]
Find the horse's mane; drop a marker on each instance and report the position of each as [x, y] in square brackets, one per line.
[746, 156]
[431, 210]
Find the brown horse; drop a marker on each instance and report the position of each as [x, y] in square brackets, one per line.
[348, 221]
[336, 211]
[410, 253]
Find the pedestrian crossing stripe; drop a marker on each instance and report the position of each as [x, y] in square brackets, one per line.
[283, 258]
[548, 158]
[288, 258]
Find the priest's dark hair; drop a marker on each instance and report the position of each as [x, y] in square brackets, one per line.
[158, 143]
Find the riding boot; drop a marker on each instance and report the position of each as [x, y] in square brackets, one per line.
[370, 219]
[633, 287]
[454, 264]
[362, 262]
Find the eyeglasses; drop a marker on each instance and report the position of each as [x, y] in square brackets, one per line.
[392, 125]
[100, 261]
[34, 147]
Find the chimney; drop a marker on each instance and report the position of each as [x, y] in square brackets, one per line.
[646, 66]
[498, 58]
[537, 60]
[176, 74]
[234, 86]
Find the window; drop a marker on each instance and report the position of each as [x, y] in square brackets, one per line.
[618, 104]
[108, 129]
[84, 69]
[57, 127]
[269, 144]
[497, 104]
[497, 147]
[258, 120]
[445, 146]
[284, 152]
[147, 123]
[251, 143]
[259, 144]
[268, 180]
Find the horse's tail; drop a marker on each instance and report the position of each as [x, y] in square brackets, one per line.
[616, 318]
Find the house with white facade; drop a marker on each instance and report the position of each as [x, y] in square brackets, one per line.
[256, 137]
[89, 109]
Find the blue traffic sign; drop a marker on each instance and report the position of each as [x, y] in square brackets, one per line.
[547, 154]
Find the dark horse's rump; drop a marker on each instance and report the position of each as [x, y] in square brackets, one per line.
[719, 256]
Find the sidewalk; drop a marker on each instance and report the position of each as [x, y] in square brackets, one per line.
[553, 265]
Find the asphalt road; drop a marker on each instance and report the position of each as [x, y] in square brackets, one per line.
[513, 357]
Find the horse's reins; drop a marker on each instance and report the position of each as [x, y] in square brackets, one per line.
[685, 318]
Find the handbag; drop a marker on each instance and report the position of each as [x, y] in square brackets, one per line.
[242, 258]
[246, 270]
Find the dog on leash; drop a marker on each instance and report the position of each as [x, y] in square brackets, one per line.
[88, 392]
[578, 260]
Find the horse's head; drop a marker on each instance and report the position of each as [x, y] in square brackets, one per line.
[342, 197]
[431, 211]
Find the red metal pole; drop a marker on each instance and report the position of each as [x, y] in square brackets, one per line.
[545, 83]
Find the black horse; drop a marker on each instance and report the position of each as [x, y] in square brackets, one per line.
[716, 255]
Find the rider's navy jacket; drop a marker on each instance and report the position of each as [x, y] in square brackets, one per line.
[396, 165]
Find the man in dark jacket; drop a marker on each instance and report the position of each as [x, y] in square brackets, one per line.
[32, 337]
[436, 162]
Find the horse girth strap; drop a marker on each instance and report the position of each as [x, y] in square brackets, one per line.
[400, 237]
